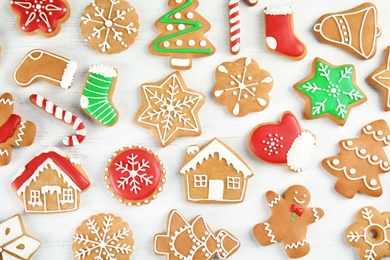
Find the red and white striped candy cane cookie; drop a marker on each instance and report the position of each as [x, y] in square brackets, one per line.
[63, 115]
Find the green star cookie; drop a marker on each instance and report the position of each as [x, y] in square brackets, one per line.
[330, 91]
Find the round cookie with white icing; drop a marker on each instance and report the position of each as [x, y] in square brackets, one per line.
[360, 161]
[134, 175]
[109, 26]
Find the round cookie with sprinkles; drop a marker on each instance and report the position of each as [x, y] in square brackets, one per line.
[134, 175]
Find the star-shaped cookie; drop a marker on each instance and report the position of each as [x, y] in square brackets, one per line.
[330, 91]
[380, 79]
[170, 109]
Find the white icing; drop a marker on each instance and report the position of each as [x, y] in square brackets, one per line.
[21, 133]
[281, 10]
[223, 153]
[190, 15]
[269, 234]
[6, 101]
[376, 136]
[193, 149]
[203, 43]
[299, 201]
[215, 190]
[296, 245]
[104, 70]
[68, 76]
[301, 151]
[222, 69]
[4, 153]
[274, 201]
[271, 42]
[180, 62]
[315, 215]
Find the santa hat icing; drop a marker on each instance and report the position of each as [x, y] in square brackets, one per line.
[283, 143]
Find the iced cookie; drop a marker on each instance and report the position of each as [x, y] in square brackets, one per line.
[64, 116]
[361, 160]
[41, 65]
[369, 234]
[193, 240]
[50, 183]
[43, 17]
[242, 87]
[380, 79]
[214, 174]
[283, 143]
[134, 175]
[355, 30]
[109, 26]
[330, 91]
[96, 99]
[13, 131]
[181, 37]
[170, 109]
[15, 243]
[289, 221]
[103, 236]
[279, 33]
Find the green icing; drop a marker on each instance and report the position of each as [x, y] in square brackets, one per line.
[331, 90]
[194, 26]
[95, 99]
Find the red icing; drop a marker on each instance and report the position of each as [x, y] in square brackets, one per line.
[271, 142]
[8, 129]
[39, 14]
[127, 191]
[295, 209]
[59, 160]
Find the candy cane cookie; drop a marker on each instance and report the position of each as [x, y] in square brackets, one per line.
[63, 115]
[235, 24]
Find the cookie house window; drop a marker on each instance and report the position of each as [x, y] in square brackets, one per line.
[233, 183]
[67, 196]
[35, 198]
[200, 181]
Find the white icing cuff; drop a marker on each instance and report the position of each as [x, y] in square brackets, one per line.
[68, 76]
[104, 70]
[280, 10]
[301, 151]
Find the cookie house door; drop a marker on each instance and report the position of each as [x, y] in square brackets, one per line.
[216, 188]
[51, 194]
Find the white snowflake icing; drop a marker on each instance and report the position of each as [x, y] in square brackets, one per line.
[136, 173]
[273, 143]
[107, 24]
[99, 242]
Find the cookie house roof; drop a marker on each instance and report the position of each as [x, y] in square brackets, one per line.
[59, 162]
[215, 146]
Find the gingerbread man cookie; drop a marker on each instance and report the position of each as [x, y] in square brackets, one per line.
[289, 221]
[13, 131]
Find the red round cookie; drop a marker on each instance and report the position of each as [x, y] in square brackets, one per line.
[134, 175]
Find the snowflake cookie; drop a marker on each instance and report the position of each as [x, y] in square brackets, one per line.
[330, 91]
[170, 109]
[104, 237]
[134, 175]
[109, 26]
[41, 16]
[242, 86]
[370, 234]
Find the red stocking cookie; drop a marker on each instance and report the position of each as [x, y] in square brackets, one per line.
[284, 143]
[361, 160]
[279, 33]
[289, 221]
[13, 131]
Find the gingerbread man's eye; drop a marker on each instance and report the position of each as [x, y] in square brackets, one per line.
[304, 195]
[296, 192]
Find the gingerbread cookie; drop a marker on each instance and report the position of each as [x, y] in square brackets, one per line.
[361, 161]
[284, 143]
[42, 65]
[193, 240]
[330, 91]
[63, 115]
[355, 30]
[181, 36]
[13, 131]
[170, 109]
[109, 26]
[15, 243]
[41, 17]
[214, 174]
[280, 37]
[242, 86]
[103, 236]
[370, 234]
[289, 221]
[134, 175]
[380, 79]
[50, 183]
[96, 99]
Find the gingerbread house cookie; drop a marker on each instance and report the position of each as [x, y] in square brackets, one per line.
[50, 183]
